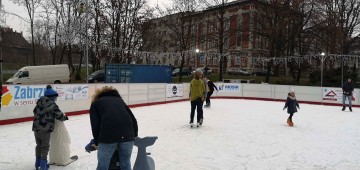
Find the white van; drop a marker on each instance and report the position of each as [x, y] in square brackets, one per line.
[44, 74]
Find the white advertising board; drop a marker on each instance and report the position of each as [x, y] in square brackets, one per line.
[335, 95]
[22, 95]
[174, 90]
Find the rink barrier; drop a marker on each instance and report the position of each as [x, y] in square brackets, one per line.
[69, 114]
[148, 94]
[26, 119]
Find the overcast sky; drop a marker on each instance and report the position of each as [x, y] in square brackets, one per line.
[20, 26]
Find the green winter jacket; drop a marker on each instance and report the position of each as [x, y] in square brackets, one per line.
[197, 89]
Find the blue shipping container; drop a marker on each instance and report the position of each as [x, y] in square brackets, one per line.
[131, 73]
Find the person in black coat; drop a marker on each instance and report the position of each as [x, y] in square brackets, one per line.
[292, 105]
[348, 88]
[113, 127]
[211, 88]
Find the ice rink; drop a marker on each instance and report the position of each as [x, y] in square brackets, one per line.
[236, 135]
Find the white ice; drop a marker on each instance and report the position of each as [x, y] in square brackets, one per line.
[236, 135]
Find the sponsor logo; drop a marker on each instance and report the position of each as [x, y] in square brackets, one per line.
[231, 87]
[6, 96]
[174, 90]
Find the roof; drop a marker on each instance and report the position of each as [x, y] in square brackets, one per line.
[10, 38]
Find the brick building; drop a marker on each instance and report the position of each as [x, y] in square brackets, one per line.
[232, 21]
[14, 48]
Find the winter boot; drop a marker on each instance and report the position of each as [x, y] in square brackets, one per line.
[201, 121]
[291, 124]
[43, 164]
[288, 121]
[350, 109]
[343, 108]
[37, 163]
[191, 124]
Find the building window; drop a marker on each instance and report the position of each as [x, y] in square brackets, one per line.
[238, 40]
[227, 24]
[238, 60]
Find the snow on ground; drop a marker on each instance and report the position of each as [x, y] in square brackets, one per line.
[236, 135]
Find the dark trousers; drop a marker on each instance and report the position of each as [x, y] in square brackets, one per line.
[42, 140]
[290, 117]
[208, 97]
[196, 104]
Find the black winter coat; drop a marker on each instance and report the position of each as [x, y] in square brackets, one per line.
[111, 119]
[291, 104]
[347, 88]
[211, 86]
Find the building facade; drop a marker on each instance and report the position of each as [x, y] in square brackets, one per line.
[221, 31]
[14, 47]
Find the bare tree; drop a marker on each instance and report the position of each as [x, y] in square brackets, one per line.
[122, 19]
[341, 24]
[301, 34]
[178, 23]
[272, 21]
[220, 30]
[31, 6]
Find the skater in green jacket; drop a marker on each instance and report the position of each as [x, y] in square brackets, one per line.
[197, 89]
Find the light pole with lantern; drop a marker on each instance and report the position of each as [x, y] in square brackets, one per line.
[84, 9]
[197, 51]
[322, 65]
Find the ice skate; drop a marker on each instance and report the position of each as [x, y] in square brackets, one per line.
[191, 124]
[198, 124]
[288, 121]
[350, 109]
[343, 108]
[201, 121]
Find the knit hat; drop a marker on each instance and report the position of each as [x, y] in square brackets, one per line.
[49, 92]
[198, 70]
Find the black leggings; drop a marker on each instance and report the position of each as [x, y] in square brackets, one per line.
[291, 115]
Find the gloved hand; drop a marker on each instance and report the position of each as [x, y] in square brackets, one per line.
[284, 108]
[66, 118]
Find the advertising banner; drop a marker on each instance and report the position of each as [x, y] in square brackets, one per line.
[335, 95]
[72, 92]
[174, 90]
[22, 95]
[228, 87]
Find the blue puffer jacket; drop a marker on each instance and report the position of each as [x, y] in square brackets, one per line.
[45, 113]
[291, 104]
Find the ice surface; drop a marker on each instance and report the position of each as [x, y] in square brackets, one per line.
[236, 135]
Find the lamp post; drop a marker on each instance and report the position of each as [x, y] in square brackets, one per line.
[342, 70]
[322, 65]
[1, 66]
[197, 53]
[83, 9]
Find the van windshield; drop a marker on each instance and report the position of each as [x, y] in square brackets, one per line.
[17, 74]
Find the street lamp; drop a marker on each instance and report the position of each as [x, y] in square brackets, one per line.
[83, 8]
[342, 70]
[322, 65]
[197, 51]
